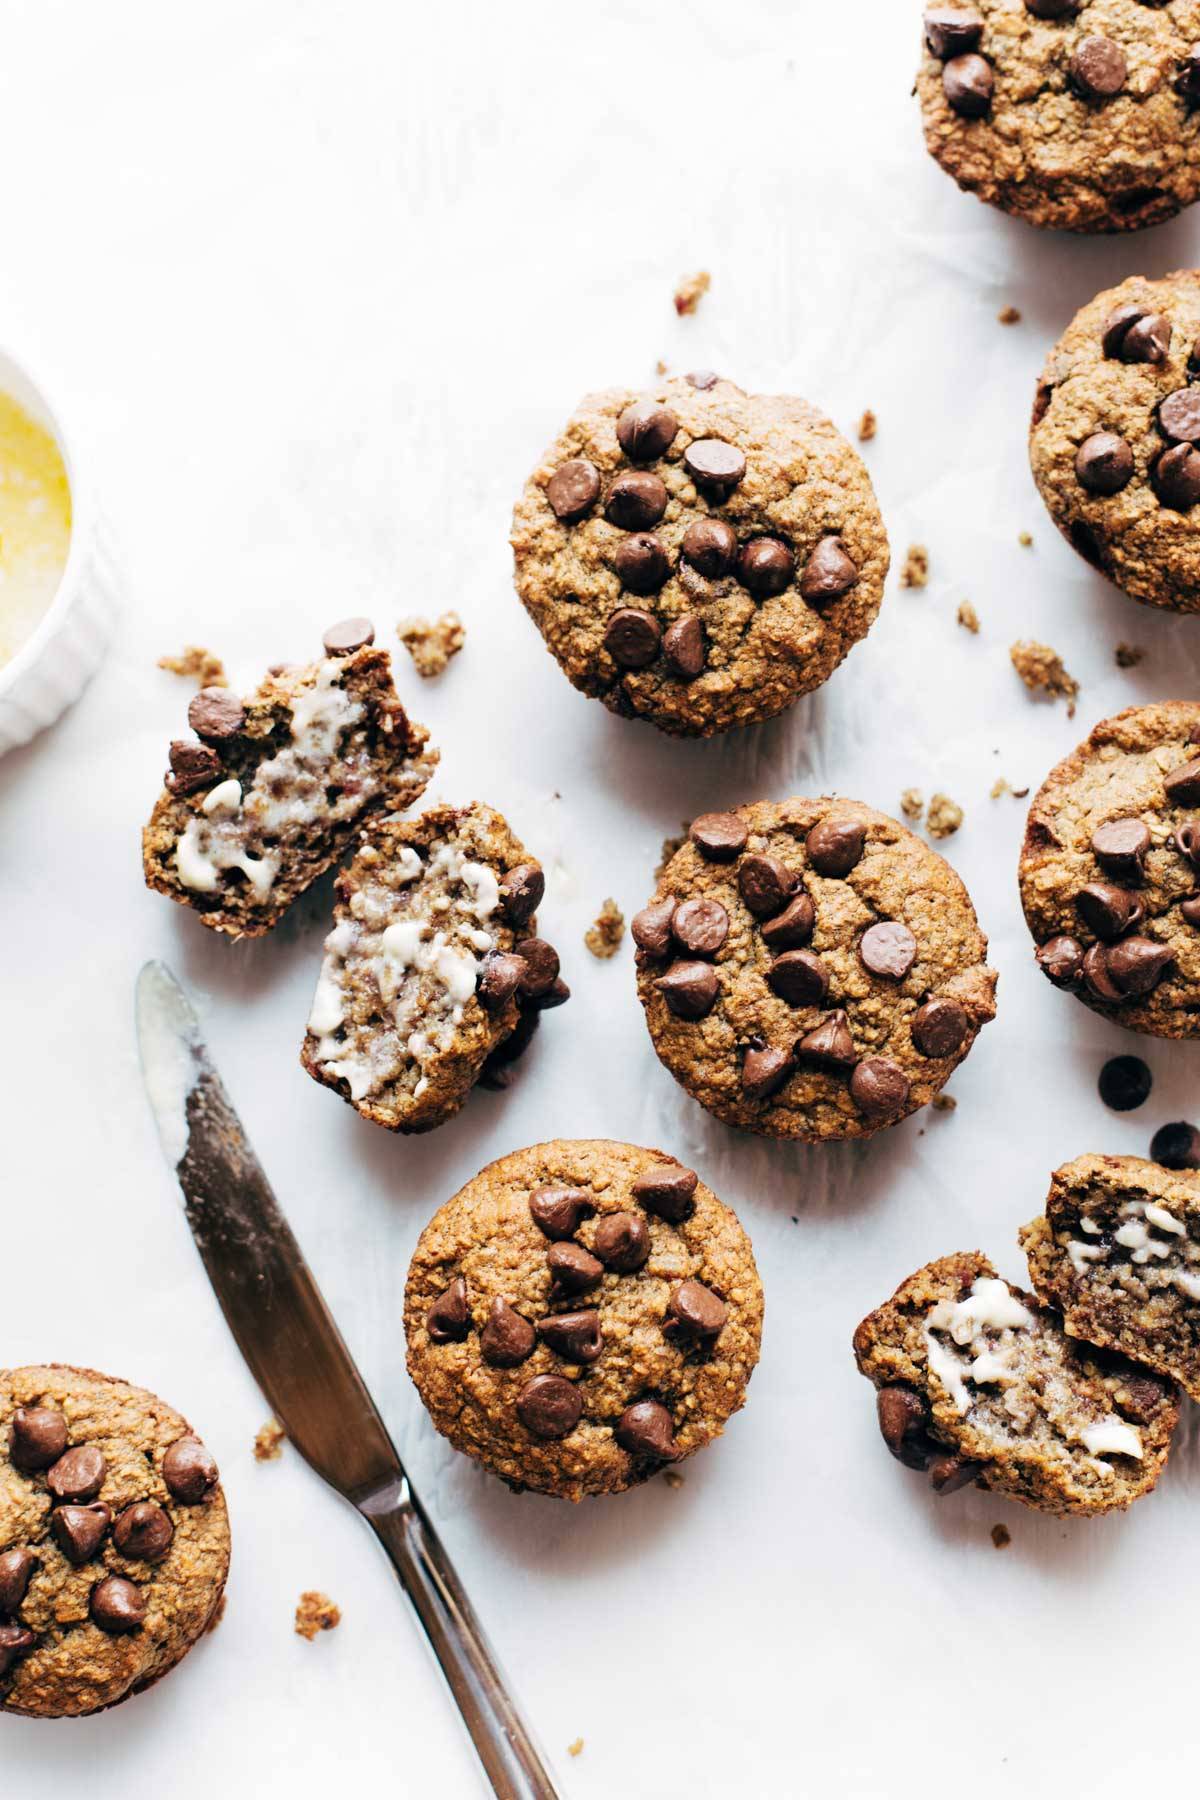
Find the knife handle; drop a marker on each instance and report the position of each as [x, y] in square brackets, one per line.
[507, 1751]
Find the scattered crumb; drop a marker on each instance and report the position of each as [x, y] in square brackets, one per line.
[1001, 1536]
[867, 427]
[1042, 671]
[945, 816]
[669, 846]
[195, 661]
[672, 1477]
[268, 1445]
[432, 646]
[912, 803]
[660, 367]
[691, 290]
[1020, 793]
[943, 1103]
[968, 618]
[1025, 539]
[915, 573]
[575, 1749]
[1008, 315]
[1000, 786]
[316, 1612]
[603, 939]
[218, 1613]
[1128, 655]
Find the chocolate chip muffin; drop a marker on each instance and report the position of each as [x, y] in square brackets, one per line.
[1075, 114]
[1109, 870]
[582, 1315]
[1116, 422]
[810, 969]
[1118, 1253]
[271, 790]
[114, 1541]
[433, 967]
[977, 1383]
[697, 556]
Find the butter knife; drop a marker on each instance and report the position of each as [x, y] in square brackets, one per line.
[288, 1337]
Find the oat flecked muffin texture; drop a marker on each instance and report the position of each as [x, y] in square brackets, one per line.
[114, 1540]
[811, 969]
[697, 556]
[977, 1383]
[1078, 115]
[582, 1315]
[1109, 868]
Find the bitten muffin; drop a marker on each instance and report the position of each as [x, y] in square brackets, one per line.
[1108, 870]
[977, 1383]
[581, 1315]
[1116, 422]
[697, 556]
[272, 789]
[433, 966]
[810, 969]
[1075, 114]
[114, 1540]
[1118, 1253]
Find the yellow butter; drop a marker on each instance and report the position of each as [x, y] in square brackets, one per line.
[35, 524]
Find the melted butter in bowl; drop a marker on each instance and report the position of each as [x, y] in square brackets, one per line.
[35, 524]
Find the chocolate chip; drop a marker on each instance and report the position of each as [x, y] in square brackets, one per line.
[16, 1569]
[713, 464]
[888, 948]
[558, 995]
[947, 1474]
[683, 647]
[689, 989]
[1133, 335]
[541, 965]
[193, 766]
[143, 1532]
[558, 1211]
[573, 490]
[1139, 1397]
[1176, 477]
[903, 1417]
[646, 431]
[1187, 80]
[1098, 68]
[939, 1028]
[1103, 463]
[521, 891]
[78, 1474]
[791, 927]
[828, 574]
[700, 926]
[1108, 910]
[1053, 9]
[549, 1406]
[1125, 1083]
[15, 1641]
[347, 636]
[695, 1310]
[968, 84]
[949, 31]
[576, 1337]
[500, 976]
[766, 566]
[719, 837]
[636, 500]
[1190, 909]
[651, 927]
[506, 1339]
[1120, 847]
[667, 1191]
[1096, 977]
[1137, 965]
[766, 884]
[190, 1472]
[116, 1605]
[39, 1437]
[574, 1269]
[1186, 839]
[835, 846]
[1183, 784]
[879, 1087]
[79, 1530]
[710, 546]
[764, 1071]
[829, 1043]
[799, 977]
[1176, 1146]
[702, 379]
[647, 1429]
[1114, 329]
[214, 713]
[1179, 415]
[642, 566]
[448, 1319]
[1061, 960]
[622, 1241]
[632, 637]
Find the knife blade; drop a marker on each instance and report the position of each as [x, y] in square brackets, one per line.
[296, 1353]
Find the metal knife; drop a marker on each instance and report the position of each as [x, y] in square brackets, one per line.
[287, 1334]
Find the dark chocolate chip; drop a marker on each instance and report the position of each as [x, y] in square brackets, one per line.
[1061, 960]
[193, 766]
[888, 948]
[448, 1319]
[879, 1087]
[38, 1438]
[1133, 335]
[573, 490]
[1179, 415]
[15, 1641]
[700, 926]
[940, 1027]
[1115, 327]
[689, 989]
[576, 1336]
[719, 837]
[968, 83]
[1108, 910]
[835, 846]
[1183, 784]
[636, 500]
[766, 884]
[1189, 909]
[549, 1406]
[646, 1429]
[500, 976]
[788, 929]
[347, 636]
[903, 1418]
[766, 566]
[521, 891]
[695, 1310]
[1176, 477]
[646, 431]
[1125, 1083]
[541, 965]
[632, 637]
[710, 546]
[1176, 1146]
[16, 1569]
[703, 379]
[828, 574]
[78, 1474]
[764, 1071]
[1053, 9]
[829, 1044]
[1137, 965]
[641, 563]
[1120, 847]
[1186, 839]
[506, 1339]
[1098, 68]
[214, 713]
[559, 1211]
[558, 995]
[1103, 463]
[651, 927]
[947, 1474]
[1187, 79]
[574, 1269]
[143, 1532]
[949, 31]
[190, 1471]
[1139, 1397]
[79, 1530]
[683, 647]
[799, 977]
[1096, 977]
[667, 1191]
[622, 1241]
[116, 1605]
[713, 464]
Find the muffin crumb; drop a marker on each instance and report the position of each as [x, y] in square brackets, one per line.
[867, 426]
[691, 291]
[1025, 539]
[316, 1612]
[1001, 1536]
[915, 573]
[968, 618]
[268, 1445]
[575, 1749]
[603, 938]
[673, 1478]
[943, 1103]
[660, 367]
[1008, 315]
[432, 645]
[1128, 656]
[912, 804]
[1042, 671]
[195, 662]
[944, 817]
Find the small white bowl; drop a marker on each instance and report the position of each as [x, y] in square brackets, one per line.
[58, 659]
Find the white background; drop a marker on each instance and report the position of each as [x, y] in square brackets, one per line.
[318, 284]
